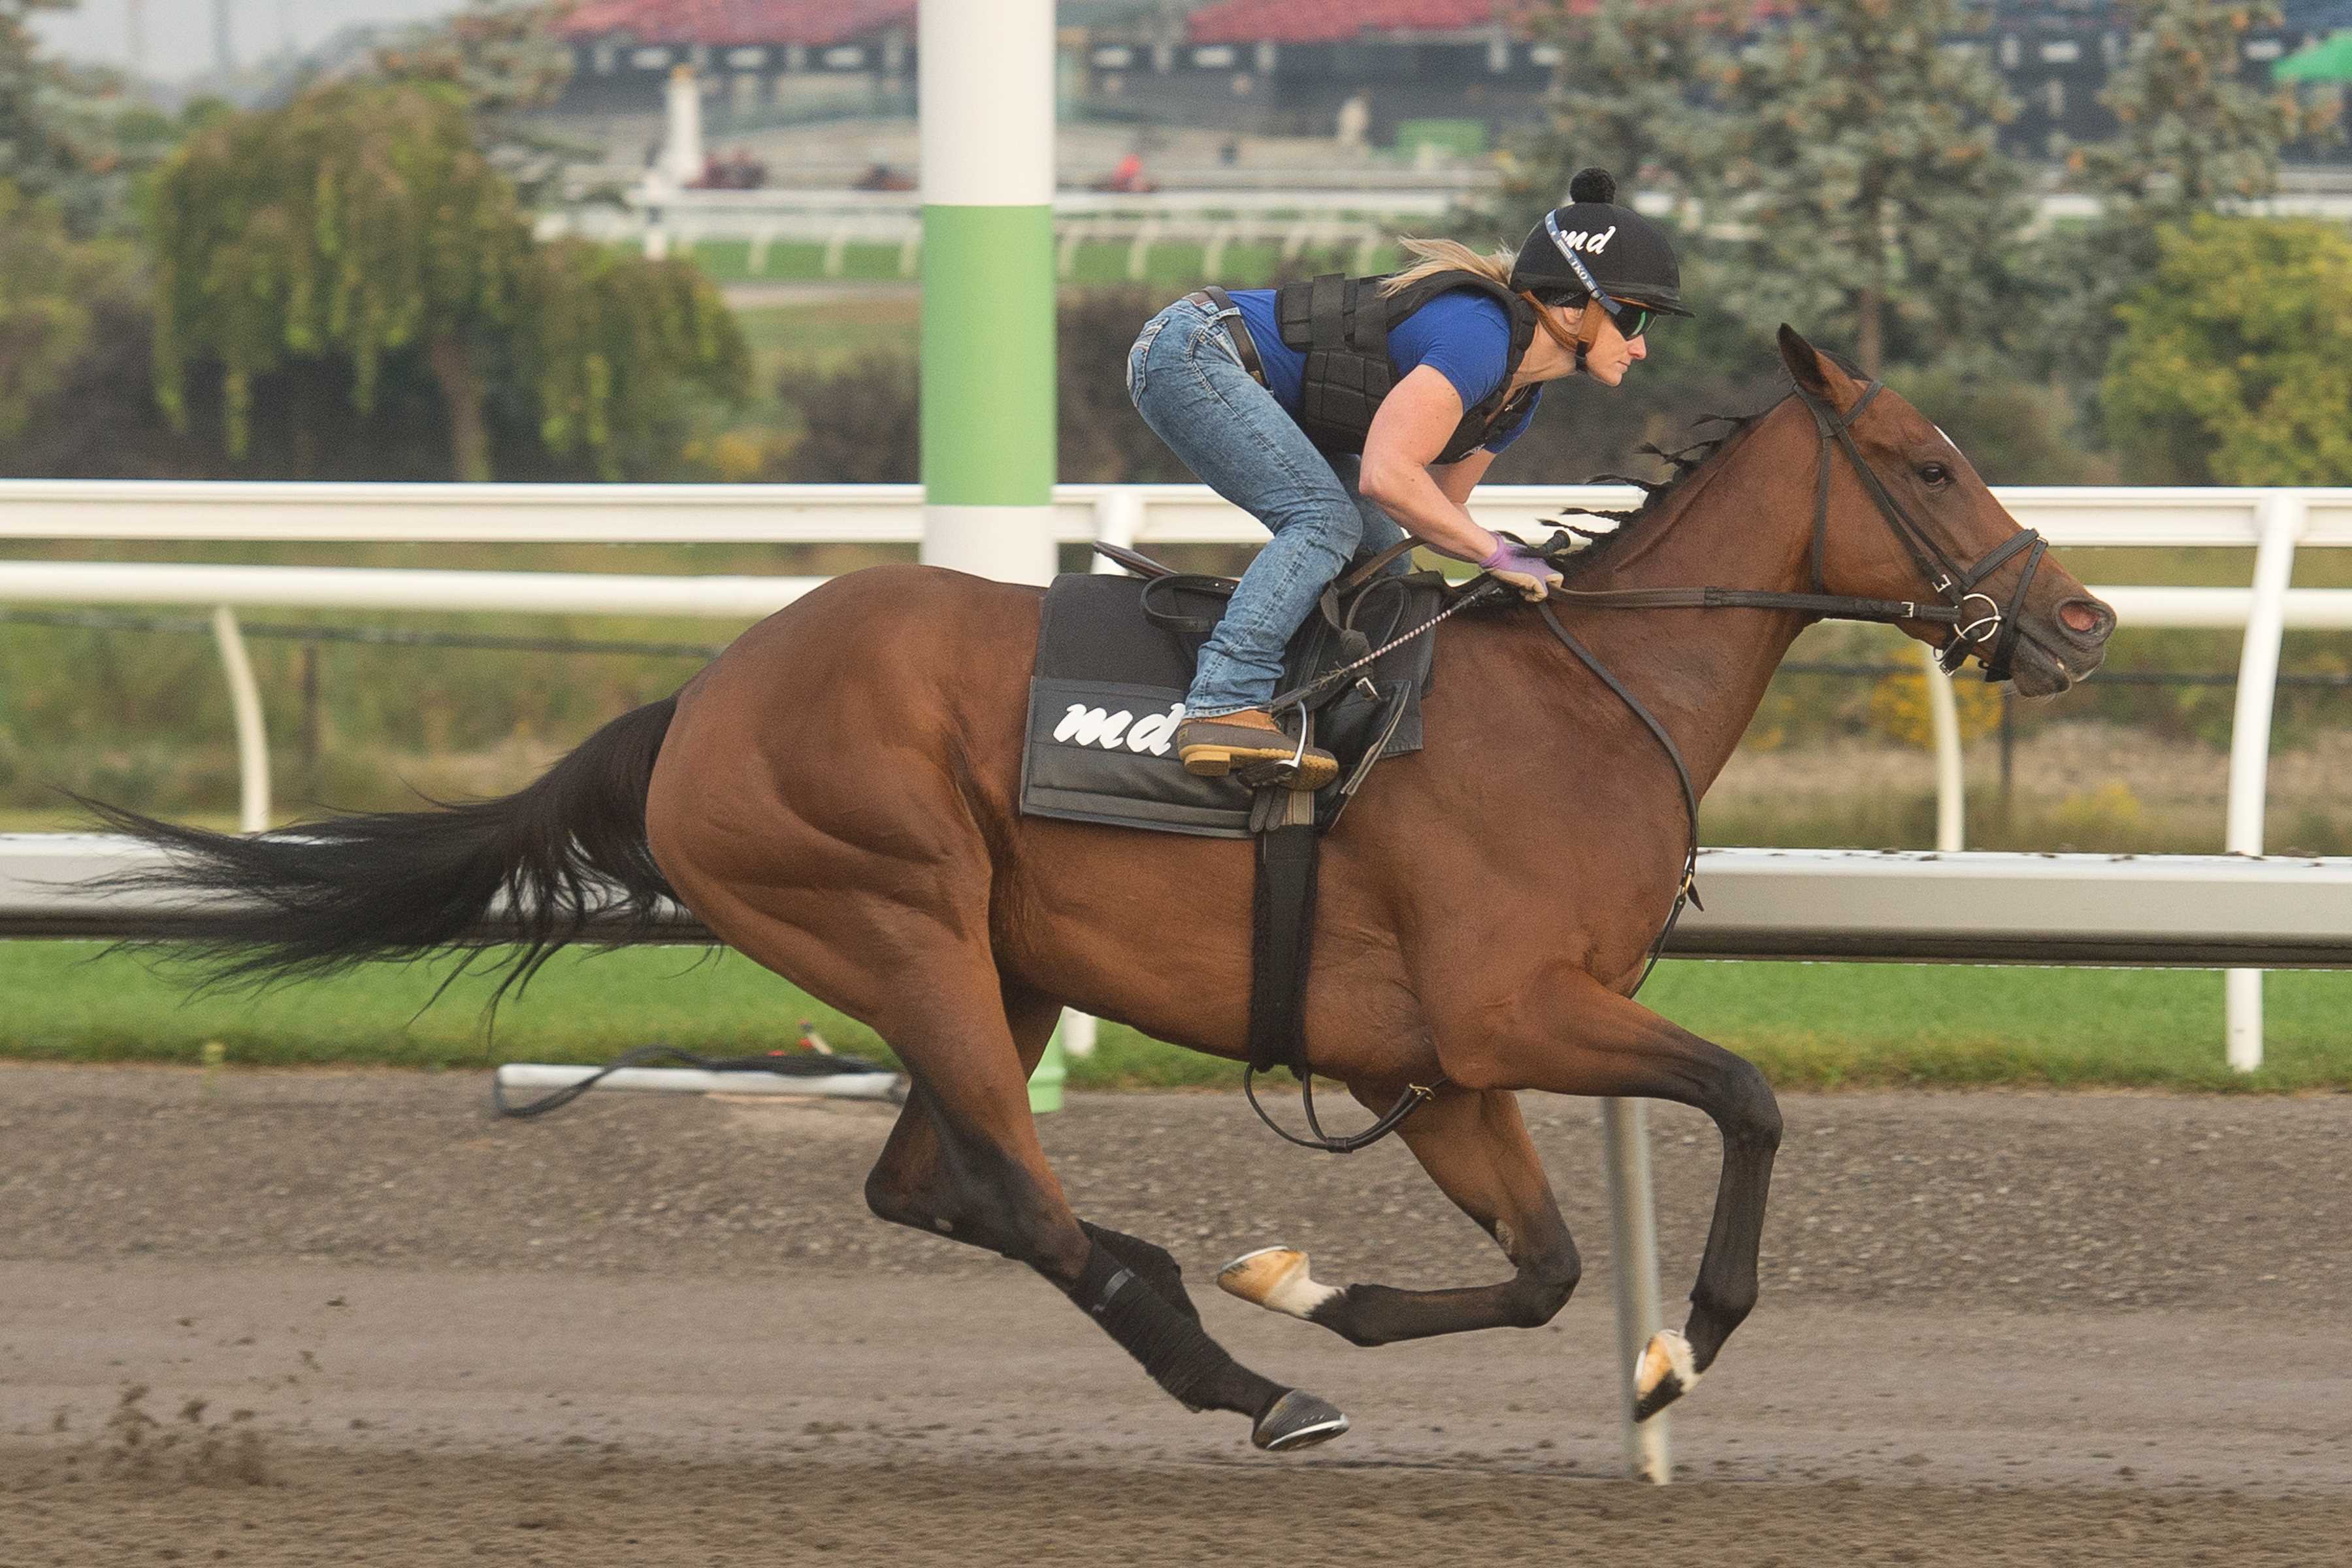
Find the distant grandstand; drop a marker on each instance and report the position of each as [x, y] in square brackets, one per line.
[1266, 66]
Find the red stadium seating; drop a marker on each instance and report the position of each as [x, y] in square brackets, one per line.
[1335, 21]
[723, 23]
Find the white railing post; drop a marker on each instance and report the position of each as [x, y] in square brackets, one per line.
[252, 741]
[1119, 519]
[1951, 785]
[1633, 1266]
[2250, 742]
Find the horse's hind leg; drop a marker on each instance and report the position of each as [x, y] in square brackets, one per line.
[1475, 1147]
[964, 1161]
[1592, 1042]
[909, 1185]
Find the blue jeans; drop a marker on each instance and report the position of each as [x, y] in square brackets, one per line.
[1188, 383]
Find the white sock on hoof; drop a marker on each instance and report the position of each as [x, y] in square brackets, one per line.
[1275, 1278]
[1667, 1353]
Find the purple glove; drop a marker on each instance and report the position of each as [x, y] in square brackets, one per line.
[1522, 568]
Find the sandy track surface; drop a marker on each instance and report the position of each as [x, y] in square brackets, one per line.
[339, 1318]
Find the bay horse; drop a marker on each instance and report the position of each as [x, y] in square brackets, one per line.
[837, 797]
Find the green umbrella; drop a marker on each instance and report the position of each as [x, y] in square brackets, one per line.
[2330, 59]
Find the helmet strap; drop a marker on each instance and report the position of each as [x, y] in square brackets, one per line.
[1578, 343]
[1588, 330]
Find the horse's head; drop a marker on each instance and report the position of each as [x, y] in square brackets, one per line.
[1921, 513]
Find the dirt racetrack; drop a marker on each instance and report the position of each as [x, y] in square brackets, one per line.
[342, 1318]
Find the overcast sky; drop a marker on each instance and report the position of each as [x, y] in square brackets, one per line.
[179, 33]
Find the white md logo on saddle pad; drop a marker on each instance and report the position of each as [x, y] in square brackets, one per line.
[1085, 726]
[1104, 751]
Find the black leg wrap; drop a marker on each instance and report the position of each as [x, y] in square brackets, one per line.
[1154, 1266]
[1180, 1358]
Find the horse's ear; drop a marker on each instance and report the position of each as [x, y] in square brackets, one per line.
[1815, 371]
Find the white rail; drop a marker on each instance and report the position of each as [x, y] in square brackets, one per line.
[2271, 522]
[1365, 218]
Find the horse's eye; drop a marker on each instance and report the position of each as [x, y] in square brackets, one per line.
[1936, 475]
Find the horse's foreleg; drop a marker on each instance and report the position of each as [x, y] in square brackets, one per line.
[1595, 1042]
[1475, 1147]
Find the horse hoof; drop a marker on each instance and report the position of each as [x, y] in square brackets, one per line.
[1275, 1278]
[1296, 1420]
[1665, 1373]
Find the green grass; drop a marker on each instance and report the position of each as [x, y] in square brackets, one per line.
[1807, 1025]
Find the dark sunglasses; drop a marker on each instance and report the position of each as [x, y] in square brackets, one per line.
[1632, 319]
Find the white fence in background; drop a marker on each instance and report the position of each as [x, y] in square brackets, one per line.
[2272, 522]
[1362, 220]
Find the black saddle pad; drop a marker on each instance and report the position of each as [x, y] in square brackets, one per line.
[1109, 687]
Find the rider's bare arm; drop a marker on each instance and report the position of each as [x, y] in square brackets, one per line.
[1458, 480]
[1411, 429]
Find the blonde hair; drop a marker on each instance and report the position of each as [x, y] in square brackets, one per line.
[1434, 256]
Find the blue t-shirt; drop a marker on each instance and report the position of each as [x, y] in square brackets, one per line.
[1465, 334]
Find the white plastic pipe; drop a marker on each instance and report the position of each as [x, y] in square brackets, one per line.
[682, 155]
[1119, 519]
[1951, 785]
[697, 1080]
[2250, 746]
[252, 740]
[1078, 1030]
[1633, 1267]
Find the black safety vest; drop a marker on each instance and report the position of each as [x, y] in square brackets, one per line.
[1342, 325]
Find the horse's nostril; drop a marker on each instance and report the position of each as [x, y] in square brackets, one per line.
[2085, 617]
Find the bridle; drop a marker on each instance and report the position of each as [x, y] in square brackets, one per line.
[1978, 624]
[1990, 633]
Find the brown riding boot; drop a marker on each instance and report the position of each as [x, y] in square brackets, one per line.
[1215, 747]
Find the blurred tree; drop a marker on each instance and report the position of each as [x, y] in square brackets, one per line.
[2190, 133]
[1624, 97]
[45, 134]
[611, 343]
[506, 58]
[503, 55]
[860, 426]
[2235, 363]
[361, 222]
[51, 287]
[1857, 154]
[71, 134]
[1099, 436]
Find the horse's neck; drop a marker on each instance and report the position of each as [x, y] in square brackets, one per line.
[1744, 524]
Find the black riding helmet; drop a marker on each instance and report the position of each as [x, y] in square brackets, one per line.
[1593, 244]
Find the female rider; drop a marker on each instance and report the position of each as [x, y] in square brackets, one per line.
[1336, 410]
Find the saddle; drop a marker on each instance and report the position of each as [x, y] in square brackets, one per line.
[1115, 654]
[1115, 658]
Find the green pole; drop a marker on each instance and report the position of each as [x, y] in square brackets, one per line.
[985, 101]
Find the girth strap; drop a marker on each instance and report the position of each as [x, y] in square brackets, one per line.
[1282, 926]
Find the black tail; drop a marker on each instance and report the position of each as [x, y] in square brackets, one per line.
[549, 860]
